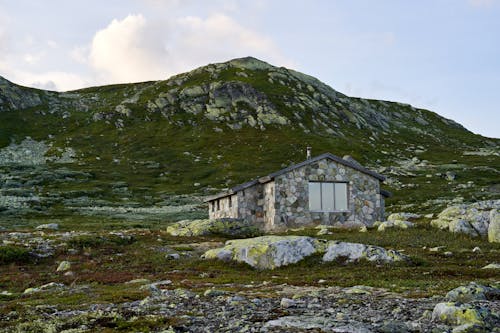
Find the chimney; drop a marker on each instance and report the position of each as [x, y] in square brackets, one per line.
[309, 153]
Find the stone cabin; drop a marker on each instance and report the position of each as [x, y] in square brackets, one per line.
[325, 190]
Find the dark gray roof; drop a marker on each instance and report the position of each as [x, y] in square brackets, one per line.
[271, 176]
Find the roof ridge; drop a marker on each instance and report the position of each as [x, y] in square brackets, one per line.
[271, 176]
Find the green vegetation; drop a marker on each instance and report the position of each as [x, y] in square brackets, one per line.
[14, 254]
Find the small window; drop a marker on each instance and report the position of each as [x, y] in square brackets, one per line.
[213, 206]
[230, 202]
[218, 204]
[327, 196]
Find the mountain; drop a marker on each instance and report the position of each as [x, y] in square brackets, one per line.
[150, 144]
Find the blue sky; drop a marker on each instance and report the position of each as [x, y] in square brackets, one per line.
[442, 55]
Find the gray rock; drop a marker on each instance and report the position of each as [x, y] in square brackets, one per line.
[494, 226]
[64, 266]
[266, 252]
[49, 226]
[492, 266]
[473, 292]
[173, 256]
[288, 303]
[471, 219]
[460, 314]
[352, 252]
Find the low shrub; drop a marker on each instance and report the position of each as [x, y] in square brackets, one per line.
[14, 254]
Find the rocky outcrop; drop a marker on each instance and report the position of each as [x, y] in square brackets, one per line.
[225, 227]
[269, 252]
[470, 219]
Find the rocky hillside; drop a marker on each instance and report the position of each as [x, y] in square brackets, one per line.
[138, 149]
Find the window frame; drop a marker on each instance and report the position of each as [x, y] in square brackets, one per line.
[335, 210]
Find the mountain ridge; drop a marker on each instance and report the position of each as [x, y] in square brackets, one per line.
[223, 124]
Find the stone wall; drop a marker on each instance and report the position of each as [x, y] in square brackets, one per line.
[251, 204]
[225, 210]
[270, 218]
[365, 204]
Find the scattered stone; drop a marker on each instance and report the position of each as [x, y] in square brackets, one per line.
[214, 292]
[138, 281]
[173, 256]
[288, 303]
[492, 266]
[324, 231]
[392, 326]
[448, 254]
[363, 229]
[450, 175]
[366, 290]
[64, 266]
[48, 226]
[477, 249]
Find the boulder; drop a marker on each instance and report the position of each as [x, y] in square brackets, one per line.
[492, 266]
[266, 252]
[456, 314]
[403, 217]
[471, 219]
[473, 292]
[226, 227]
[353, 252]
[52, 286]
[64, 266]
[399, 224]
[494, 227]
[48, 226]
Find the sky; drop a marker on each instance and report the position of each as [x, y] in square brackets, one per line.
[441, 55]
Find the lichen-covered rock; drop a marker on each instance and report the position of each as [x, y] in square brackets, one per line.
[48, 226]
[226, 227]
[471, 219]
[473, 292]
[494, 227]
[460, 314]
[64, 266]
[52, 286]
[266, 252]
[399, 224]
[352, 252]
[403, 217]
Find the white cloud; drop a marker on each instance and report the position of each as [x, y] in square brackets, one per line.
[135, 49]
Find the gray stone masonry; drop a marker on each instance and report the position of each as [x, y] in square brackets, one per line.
[282, 202]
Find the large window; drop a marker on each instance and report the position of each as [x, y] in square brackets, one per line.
[327, 196]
